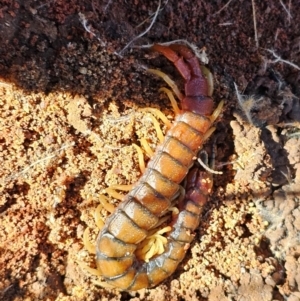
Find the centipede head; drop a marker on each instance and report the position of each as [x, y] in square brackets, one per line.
[197, 88]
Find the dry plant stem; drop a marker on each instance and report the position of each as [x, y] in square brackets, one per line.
[152, 15]
[288, 11]
[254, 23]
[87, 28]
[42, 5]
[107, 5]
[245, 104]
[144, 32]
[16, 175]
[279, 59]
[223, 7]
[226, 24]
[208, 168]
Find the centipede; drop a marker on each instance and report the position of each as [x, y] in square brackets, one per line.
[159, 189]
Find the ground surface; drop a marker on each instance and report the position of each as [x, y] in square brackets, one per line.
[69, 114]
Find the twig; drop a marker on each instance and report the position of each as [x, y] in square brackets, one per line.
[42, 5]
[107, 5]
[246, 103]
[254, 23]
[222, 8]
[208, 168]
[16, 175]
[225, 24]
[279, 59]
[84, 22]
[144, 32]
[288, 11]
[290, 4]
[152, 15]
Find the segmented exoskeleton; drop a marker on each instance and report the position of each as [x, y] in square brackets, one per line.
[159, 187]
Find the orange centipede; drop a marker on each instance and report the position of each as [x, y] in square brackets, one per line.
[159, 187]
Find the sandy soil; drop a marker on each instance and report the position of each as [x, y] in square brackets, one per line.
[70, 105]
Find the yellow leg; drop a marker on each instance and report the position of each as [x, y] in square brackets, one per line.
[98, 217]
[217, 111]
[86, 241]
[140, 157]
[111, 190]
[92, 271]
[172, 100]
[147, 147]
[169, 81]
[121, 187]
[158, 114]
[105, 203]
[158, 130]
[206, 72]
[153, 244]
[208, 133]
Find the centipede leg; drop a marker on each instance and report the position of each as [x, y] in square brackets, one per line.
[169, 81]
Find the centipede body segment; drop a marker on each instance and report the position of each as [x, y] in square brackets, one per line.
[159, 187]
